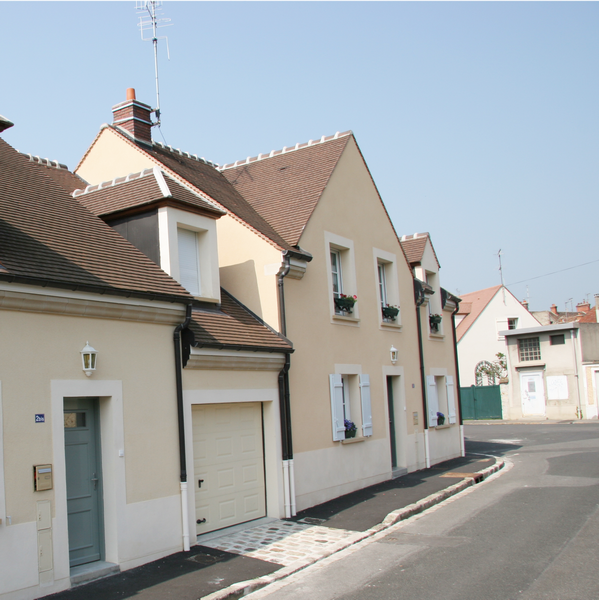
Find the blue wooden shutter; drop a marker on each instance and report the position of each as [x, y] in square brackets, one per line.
[451, 399]
[432, 400]
[336, 384]
[366, 406]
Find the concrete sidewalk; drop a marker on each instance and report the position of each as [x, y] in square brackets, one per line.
[230, 563]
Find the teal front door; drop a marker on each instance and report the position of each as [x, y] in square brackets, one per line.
[84, 480]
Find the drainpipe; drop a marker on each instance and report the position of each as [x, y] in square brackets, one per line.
[284, 401]
[419, 297]
[457, 377]
[181, 416]
[576, 338]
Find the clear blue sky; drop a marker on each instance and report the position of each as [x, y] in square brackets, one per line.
[478, 121]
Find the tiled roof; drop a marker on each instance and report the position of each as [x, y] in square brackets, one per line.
[414, 245]
[48, 238]
[139, 189]
[285, 185]
[59, 172]
[205, 177]
[234, 326]
[589, 317]
[476, 301]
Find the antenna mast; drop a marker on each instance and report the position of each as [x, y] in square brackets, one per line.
[501, 275]
[151, 22]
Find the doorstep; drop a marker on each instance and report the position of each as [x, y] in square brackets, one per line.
[94, 570]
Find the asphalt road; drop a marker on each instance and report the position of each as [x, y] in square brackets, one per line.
[530, 532]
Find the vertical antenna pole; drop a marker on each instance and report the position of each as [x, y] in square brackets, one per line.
[155, 42]
[501, 275]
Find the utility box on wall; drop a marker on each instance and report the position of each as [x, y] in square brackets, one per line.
[42, 477]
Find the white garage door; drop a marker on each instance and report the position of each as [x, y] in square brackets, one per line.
[228, 458]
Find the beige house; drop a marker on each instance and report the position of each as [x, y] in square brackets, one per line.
[554, 371]
[100, 431]
[304, 228]
[436, 309]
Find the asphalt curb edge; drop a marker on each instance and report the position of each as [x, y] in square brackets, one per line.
[250, 585]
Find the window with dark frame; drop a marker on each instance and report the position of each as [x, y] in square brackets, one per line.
[557, 339]
[529, 349]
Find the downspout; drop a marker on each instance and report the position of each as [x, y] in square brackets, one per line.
[419, 297]
[284, 402]
[181, 417]
[457, 378]
[576, 338]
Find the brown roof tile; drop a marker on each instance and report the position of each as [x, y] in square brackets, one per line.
[285, 186]
[58, 172]
[234, 326]
[205, 177]
[137, 190]
[414, 246]
[47, 236]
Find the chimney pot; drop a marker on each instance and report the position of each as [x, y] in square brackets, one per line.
[130, 93]
[554, 309]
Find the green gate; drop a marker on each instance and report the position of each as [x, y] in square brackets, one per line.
[481, 402]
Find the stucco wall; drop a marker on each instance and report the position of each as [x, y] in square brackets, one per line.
[40, 364]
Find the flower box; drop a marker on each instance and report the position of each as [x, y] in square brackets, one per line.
[345, 303]
[390, 312]
[350, 429]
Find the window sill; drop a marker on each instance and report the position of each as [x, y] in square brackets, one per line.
[438, 337]
[530, 364]
[390, 325]
[349, 319]
[444, 426]
[353, 440]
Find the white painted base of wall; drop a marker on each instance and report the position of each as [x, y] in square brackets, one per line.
[322, 475]
[444, 444]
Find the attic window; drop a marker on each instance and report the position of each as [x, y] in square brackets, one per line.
[189, 264]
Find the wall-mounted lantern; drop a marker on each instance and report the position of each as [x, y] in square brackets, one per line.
[88, 358]
[393, 353]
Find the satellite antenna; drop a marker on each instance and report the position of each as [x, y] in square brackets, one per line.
[149, 23]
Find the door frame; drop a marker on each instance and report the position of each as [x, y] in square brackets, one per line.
[396, 376]
[112, 436]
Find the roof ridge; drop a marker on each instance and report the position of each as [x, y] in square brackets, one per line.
[415, 236]
[116, 181]
[186, 154]
[285, 150]
[44, 161]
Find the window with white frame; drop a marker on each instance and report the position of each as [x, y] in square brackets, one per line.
[342, 275]
[350, 403]
[387, 286]
[382, 284]
[512, 322]
[336, 273]
[440, 400]
[189, 261]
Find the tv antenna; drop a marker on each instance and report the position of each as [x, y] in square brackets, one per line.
[501, 275]
[149, 23]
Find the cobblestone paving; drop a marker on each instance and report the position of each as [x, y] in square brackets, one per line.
[281, 542]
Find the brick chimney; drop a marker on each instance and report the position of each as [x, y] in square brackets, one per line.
[525, 304]
[583, 307]
[134, 117]
[553, 309]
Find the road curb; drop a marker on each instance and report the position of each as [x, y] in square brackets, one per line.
[251, 585]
